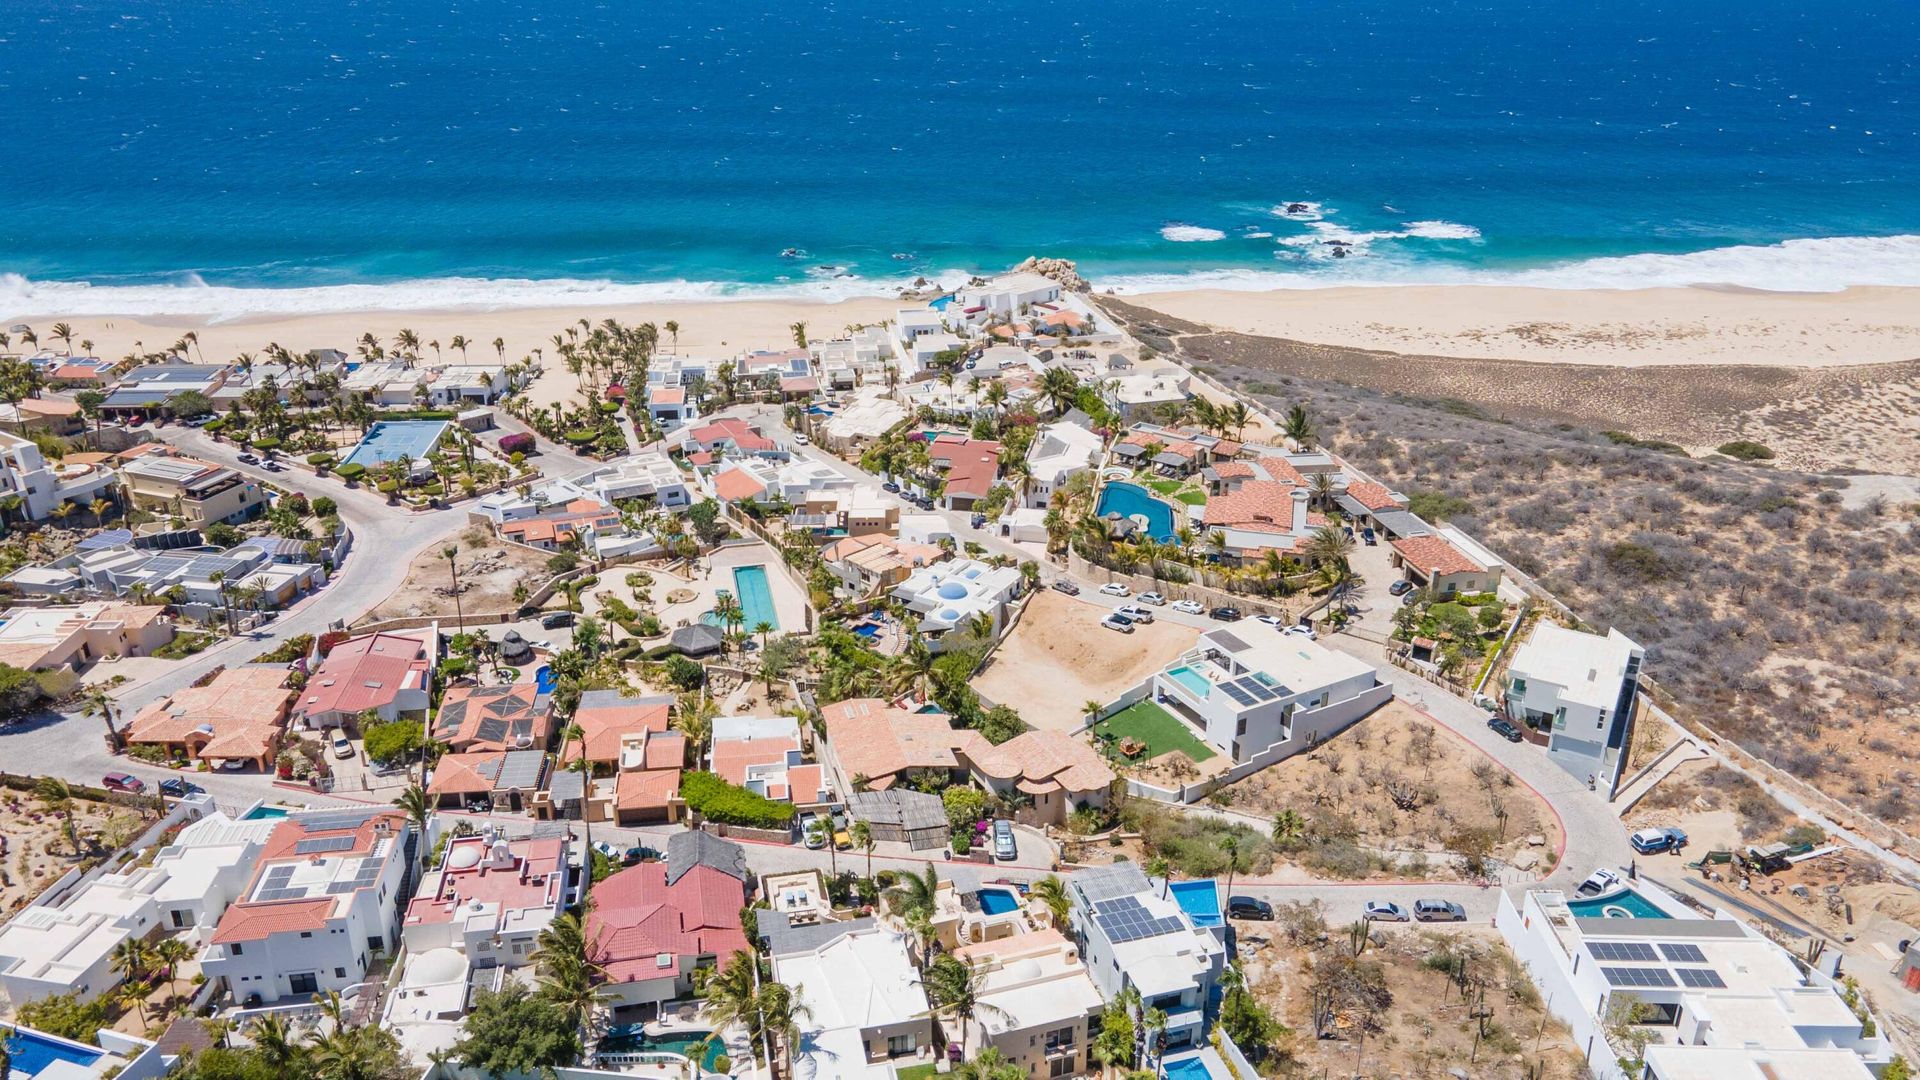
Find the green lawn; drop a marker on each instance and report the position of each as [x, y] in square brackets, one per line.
[1159, 729]
[916, 1072]
[1194, 497]
[1166, 487]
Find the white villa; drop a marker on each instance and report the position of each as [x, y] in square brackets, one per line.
[24, 473]
[1579, 688]
[1060, 451]
[1258, 694]
[1720, 1000]
[845, 363]
[1132, 934]
[648, 474]
[867, 1011]
[1038, 1005]
[951, 595]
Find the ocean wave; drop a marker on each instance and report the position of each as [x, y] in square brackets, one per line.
[1827, 264]
[190, 296]
[1191, 234]
[1323, 238]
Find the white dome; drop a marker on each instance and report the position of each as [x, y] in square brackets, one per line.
[464, 857]
[1024, 969]
[436, 966]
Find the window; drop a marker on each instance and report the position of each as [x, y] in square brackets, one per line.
[1241, 728]
[1560, 718]
[898, 1045]
[303, 983]
[1520, 687]
[339, 973]
[1060, 1066]
[237, 950]
[179, 918]
[375, 943]
[306, 933]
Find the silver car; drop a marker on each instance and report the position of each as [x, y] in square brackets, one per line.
[1385, 911]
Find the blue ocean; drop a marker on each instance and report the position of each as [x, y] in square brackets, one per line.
[515, 151]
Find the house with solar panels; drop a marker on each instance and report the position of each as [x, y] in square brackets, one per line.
[324, 901]
[1133, 932]
[1718, 999]
[1256, 693]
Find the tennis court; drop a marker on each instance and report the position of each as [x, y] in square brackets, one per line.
[397, 440]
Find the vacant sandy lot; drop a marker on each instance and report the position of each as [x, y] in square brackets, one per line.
[489, 569]
[1060, 657]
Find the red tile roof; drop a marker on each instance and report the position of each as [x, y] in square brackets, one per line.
[668, 395]
[728, 430]
[799, 384]
[646, 789]
[603, 726]
[1431, 554]
[975, 463]
[733, 485]
[255, 922]
[364, 673]
[636, 917]
[1257, 503]
[1373, 496]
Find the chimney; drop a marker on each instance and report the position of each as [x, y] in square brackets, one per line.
[1300, 498]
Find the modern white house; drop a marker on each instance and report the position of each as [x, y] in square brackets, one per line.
[64, 941]
[1132, 933]
[951, 595]
[25, 474]
[323, 901]
[845, 363]
[1060, 451]
[1579, 688]
[648, 474]
[1003, 297]
[867, 1013]
[1718, 999]
[1258, 694]
[1039, 1006]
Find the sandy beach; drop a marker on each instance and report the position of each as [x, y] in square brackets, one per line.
[1597, 326]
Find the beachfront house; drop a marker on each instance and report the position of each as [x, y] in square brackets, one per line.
[1579, 690]
[1260, 695]
[25, 475]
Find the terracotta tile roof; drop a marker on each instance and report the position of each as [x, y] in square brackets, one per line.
[1045, 761]
[1256, 504]
[975, 463]
[636, 917]
[364, 673]
[733, 485]
[799, 384]
[1232, 470]
[240, 714]
[1169, 444]
[1432, 553]
[1373, 496]
[668, 395]
[466, 774]
[472, 718]
[731, 758]
[604, 718]
[1272, 468]
[255, 922]
[728, 430]
[1226, 448]
[877, 741]
[646, 789]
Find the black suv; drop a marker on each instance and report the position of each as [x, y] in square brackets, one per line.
[1504, 728]
[556, 620]
[1247, 907]
[1225, 614]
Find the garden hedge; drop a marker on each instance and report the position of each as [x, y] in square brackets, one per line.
[717, 800]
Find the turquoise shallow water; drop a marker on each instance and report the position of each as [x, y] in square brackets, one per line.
[493, 152]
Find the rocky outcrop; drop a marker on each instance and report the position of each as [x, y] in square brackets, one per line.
[1060, 270]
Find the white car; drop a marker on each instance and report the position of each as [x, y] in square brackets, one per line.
[341, 747]
[1385, 911]
[801, 439]
[1114, 588]
[1189, 607]
[1602, 880]
[1118, 622]
[1135, 612]
[1299, 630]
[1153, 598]
[1271, 620]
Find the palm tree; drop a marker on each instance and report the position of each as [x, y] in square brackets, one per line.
[799, 334]
[98, 703]
[914, 892]
[57, 797]
[567, 974]
[1288, 827]
[64, 334]
[333, 1007]
[416, 804]
[130, 959]
[171, 952]
[460, 342]
[1298, 427]
[862, 836]
[500, 348]
[763, 628]
[1051, 891]
[954, 988]
[673, 330]
[274, 1040]
[1154, 1024]
[781, 1008]
[989, 1064]
[451, 553]
[1230, 843]
[1329, 546]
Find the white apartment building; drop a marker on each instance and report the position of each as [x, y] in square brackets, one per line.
[950, 595]
[866, 1011]
[1060, 451]
[64, 940]
[24, 473]
[1579, 688]
[1131, 934]
[1254, 692]
[845, 363]
[324, 899]
[1719, 1000]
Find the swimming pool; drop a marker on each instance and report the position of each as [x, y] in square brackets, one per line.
[1625, 904]
[756, 598]
[868, 630]
[1191, 1068]
[262, 813]
[632, 1038]
[998, 901]
[32, 1052]
[1195, 682]
[1132, 500]
[1199, 899]
[395, 440]
[544, 680]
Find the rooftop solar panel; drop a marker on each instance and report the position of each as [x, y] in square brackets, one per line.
[1701, 978]
[1682, 953]
[1637, 951]
[1238, 695]
[320, 845]
[1638, 976]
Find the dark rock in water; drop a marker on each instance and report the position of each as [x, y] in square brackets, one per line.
[1297, 208]
[793, 253]
[1340, 251]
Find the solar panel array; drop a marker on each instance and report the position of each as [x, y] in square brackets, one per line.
[1125, 919]
[493, 731]
[1653, 977]
[1638, 951]
[367, 874]
[322, 845]
[1683, 953]
[335, 820]
[1701, 978]
[1239, 696]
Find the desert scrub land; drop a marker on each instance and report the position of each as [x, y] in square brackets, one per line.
[1408, 1002]
[1396, 796]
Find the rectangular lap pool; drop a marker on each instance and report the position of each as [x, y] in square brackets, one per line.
[1199, 899]
[756, 598]
[1196, 683]
[397, 440]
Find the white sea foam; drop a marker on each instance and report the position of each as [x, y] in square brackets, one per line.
[1191, 234]
[1323, 238]
[1309, 211]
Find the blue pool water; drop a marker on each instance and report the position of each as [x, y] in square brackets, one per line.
[392, 440]
[867, 629]
[1191, 1068]
[262, 813]
[1132, 500]
[33, 1051]
[1199, 899]
[998, 901]
[1191, 679]
[634, 1038]
[1625, 904]
[544, 680]
[756, 598]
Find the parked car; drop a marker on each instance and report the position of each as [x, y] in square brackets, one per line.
[1115, 588]
[119, 781]
[890, 488]
[1271, 620]
[341, 747]
[801, 440]
[481, 804]
[1438, 911]
[1301, 630]
[556, 620]
[1655, 841]
[1188, 607]
[1247, 907]
[1135, 612]
[1400, 588]
[1384, 911]
[1004, 848]
[1118, 622]
[1153, 598]
[1369, 537]
[813, 831]
[1411, 597]
[1065, 586]
[249, 459]
[1601, 880]
[979, 521]
[1504, 728]
[1225, 613]
[233, 764]
[179, 788]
